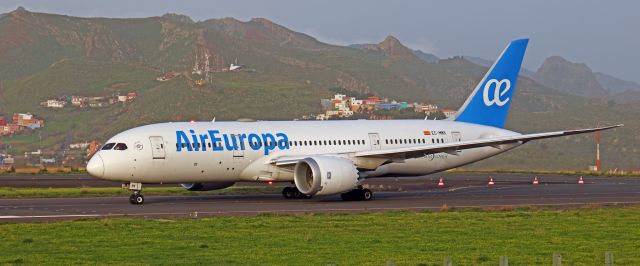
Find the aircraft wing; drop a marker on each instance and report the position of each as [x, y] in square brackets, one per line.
[421, 150]
[452, 148]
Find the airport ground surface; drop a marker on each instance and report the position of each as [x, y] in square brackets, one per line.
[462, 190]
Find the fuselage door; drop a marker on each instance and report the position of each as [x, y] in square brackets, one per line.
[157, 147]
[456, 136]
[238, 153]
[375, 141]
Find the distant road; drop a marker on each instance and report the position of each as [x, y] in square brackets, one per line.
[461, 190]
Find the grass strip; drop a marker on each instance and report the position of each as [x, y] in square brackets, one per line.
[7, 192]
[527, 237]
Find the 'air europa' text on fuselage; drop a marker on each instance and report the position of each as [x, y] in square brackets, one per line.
[214, 140]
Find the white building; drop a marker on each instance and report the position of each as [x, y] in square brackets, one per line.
[449, 112]
[80, 145]
[78, 100]
[26, 116]
[340, 97]
[342, 106]
[55, 103]
[354, 101]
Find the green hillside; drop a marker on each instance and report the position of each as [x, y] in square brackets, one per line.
[45, 56]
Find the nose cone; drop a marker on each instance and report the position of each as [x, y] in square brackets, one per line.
[95, 167]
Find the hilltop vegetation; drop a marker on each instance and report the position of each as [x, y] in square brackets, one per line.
[48, 55]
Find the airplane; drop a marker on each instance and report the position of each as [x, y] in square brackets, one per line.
[320, 157]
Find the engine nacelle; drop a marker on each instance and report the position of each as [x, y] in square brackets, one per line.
[206, 186]
[325, 175]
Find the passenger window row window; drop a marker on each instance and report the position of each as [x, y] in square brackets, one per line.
[291, 143]
[412, 141]
[334, 142]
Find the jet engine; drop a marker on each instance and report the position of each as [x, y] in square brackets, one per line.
[325, 175]
[206, 186]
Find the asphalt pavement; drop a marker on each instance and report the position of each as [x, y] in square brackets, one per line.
[461, 190]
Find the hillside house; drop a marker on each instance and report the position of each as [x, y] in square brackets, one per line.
[339, 97]
[53, 103]
[79, 101]
[427, 108]
[18, 117]
[6, 162]
[27, 120]
[79, 145]
[131, 96]
[449, 112]
[372, 100]
[166, 76]
[9, 129]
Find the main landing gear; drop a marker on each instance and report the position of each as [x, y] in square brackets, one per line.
[136, 197]
[293, 193]
[357, 194]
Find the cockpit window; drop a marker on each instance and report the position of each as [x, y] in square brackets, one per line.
[108, 146]
[120, 147]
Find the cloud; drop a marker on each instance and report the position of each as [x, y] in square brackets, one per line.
[324, 38]
[423, 44]
[336, 41]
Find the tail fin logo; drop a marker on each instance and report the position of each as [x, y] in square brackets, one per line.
[500, 89]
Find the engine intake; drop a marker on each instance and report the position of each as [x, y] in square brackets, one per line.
[325, 175]
[206, 186]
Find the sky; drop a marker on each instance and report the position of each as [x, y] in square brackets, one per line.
[602, 34]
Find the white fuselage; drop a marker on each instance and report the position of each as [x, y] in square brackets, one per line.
[184, 152]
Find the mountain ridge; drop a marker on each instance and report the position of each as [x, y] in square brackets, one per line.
[287, 73]
[615, 84]
[569, 77]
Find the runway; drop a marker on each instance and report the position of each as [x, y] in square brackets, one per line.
[461, 191]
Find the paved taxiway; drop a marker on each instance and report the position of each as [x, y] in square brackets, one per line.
[461, 190]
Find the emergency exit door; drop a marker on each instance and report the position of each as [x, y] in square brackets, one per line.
[456, 136]
[157, 147]
[375, 141]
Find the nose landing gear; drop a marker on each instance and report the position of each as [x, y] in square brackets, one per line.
[136, 197]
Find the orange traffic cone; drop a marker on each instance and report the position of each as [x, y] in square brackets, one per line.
[490, 182]
[535, 180]
[440, 183]
[580, 181]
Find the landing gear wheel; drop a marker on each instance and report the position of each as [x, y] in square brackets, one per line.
[357, 194]
[286, 192]
[139, 199]
[366, 194]
[293, 193]
[136, 199]
[290, 193]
